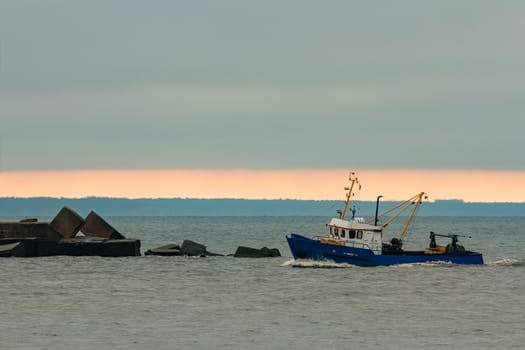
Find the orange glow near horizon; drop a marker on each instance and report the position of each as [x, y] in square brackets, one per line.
[469, 185]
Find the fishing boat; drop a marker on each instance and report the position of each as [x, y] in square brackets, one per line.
[359, 242]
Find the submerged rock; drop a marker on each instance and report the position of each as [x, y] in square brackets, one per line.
[264, 252]
[192, 248]
[165, 250]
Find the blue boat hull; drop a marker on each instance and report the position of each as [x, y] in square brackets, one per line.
[307, 248]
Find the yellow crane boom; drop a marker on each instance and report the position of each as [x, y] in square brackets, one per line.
[401, 207]
[416, 203]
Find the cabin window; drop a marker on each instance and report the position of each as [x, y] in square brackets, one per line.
[351, 234]
[342, 233]
[336, 232]
[359, 234]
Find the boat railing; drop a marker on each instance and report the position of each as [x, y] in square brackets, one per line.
[351, 244]
[358, 245]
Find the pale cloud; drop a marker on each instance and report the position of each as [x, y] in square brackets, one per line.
[300, 84]
[161, 99]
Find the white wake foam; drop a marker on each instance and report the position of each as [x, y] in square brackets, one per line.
[429, 263]
[316, 264]
[507, 262]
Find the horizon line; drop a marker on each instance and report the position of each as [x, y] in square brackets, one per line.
[253, 199]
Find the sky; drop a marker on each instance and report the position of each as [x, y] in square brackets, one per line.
[119, 92]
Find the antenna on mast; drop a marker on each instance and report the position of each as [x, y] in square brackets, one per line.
[353, 180]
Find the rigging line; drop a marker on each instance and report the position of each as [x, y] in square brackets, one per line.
[414, 217]
[358, 199]
[410, 230]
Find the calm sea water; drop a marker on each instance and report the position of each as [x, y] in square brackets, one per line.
[231, 303]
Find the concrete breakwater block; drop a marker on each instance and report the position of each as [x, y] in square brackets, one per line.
[90, 246]
[29, 237]
[95, 226]
[35, 246]
[80, 247]
[12, 249]
[67, 223]
[121, 247]
[27, 230]
[165, 250]
[29, 220]
[28, 243]
[45, 247]
[264, 252]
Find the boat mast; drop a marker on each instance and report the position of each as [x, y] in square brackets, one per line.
[353, 181]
